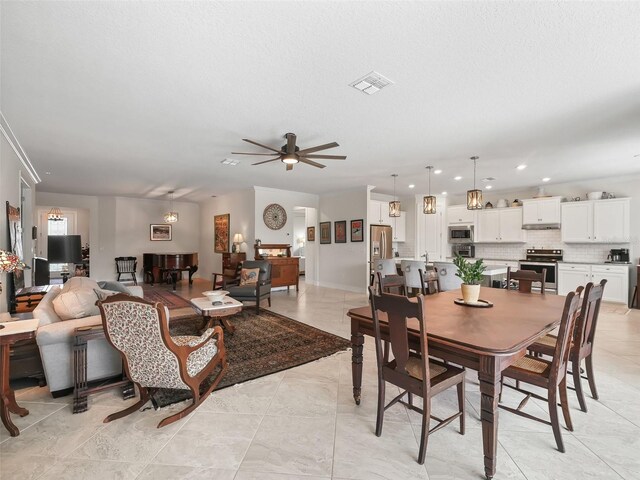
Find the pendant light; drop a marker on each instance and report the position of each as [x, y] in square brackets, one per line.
[55, 215]
[394, 207]
[474, 197]
[171, 216]
[429, 202]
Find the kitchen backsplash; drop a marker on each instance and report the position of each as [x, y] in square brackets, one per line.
[587, 253]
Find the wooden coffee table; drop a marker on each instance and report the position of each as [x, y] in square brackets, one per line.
[210, 312]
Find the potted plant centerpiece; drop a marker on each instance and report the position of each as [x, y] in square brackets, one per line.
[471, 275]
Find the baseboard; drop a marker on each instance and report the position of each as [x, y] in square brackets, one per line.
[338, 286]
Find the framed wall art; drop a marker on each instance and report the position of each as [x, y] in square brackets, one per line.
[325, 233]
[340, 231]
[221, 233]
[311, 234]
[160, 232]
[357, 232]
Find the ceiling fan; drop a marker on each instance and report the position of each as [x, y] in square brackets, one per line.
[290, 153]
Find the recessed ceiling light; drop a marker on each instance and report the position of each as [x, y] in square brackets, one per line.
[47, 173]
[521, 167]
[437, 172]
[638, 155]
[546, 179]
[371, 83]
[412, 186]
[488, 187]
[230, 161]
[444, 193]
[457, 178]
[488, 179]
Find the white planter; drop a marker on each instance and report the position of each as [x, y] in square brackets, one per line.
[470, 293]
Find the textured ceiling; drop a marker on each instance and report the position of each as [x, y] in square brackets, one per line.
[124, 98]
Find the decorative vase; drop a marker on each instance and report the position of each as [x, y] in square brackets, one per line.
[470, 293]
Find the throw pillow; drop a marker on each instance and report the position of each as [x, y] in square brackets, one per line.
[103, 294]
[79, 282]
[113, 286]
[249, 276]
[76, 303]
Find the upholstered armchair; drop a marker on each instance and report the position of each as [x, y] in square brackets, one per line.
[153, 359]
[251, 292]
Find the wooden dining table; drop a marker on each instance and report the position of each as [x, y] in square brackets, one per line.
[487, 340]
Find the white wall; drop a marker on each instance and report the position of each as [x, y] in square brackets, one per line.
[344, 265]
[299, 231]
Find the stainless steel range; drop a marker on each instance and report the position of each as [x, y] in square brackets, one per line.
[541, 258]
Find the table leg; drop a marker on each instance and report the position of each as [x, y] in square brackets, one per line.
[7, 397]
[80, 402]
[357, 344]
[229, 327]
[489, 377]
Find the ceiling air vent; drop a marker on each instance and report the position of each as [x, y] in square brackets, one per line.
[371, 83]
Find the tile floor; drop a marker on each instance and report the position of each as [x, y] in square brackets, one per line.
[303, 424]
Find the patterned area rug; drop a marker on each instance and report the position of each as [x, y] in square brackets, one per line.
[262, 344]
[166, 297]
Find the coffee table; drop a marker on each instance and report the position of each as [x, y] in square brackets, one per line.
[210, 312]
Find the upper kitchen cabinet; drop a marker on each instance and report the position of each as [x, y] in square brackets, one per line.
[378, 213]
[458, 214]
[541, 212]
[500, 225]
[399, 227]
[596, 221]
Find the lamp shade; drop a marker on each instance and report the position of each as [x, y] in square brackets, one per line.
[394, 208]
[238, 238]
[429, 204]
[64, 249]
[474, 199]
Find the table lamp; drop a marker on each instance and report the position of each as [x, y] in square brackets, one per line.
[9, 262]
[237, 240]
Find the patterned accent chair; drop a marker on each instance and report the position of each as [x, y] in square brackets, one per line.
[153, 359]
[251, 293]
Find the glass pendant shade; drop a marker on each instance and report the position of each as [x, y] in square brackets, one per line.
[55, 214]
[394, 208]
[429, 204]
[474, 199]
[171, 217]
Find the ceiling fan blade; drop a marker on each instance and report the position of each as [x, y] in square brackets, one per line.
[260, 145]
[291, 143]
[247, 153]
[311, 162]
[289, 166]
[328, 157]
[318, 148]
[266, 161]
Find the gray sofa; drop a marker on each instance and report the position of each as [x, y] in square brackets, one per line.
[55, 341]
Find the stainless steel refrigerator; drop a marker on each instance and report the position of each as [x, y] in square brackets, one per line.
[380, 237]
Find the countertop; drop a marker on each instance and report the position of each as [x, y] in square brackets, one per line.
[599, 263]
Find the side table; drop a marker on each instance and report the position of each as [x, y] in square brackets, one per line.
[11, 332]
[210, 312]
[81, 389]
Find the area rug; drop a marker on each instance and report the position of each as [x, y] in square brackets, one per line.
[166, 297]
[262, 344]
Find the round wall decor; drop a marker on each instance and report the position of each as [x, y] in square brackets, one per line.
[275, 216]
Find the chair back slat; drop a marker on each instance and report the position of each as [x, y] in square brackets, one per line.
[391, 284]
[526, 278]
[586, 328]
[429, 277]
[570, 315]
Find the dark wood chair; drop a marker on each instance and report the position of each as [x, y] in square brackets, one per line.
[228, 275]
[582, 345]
[526, 278]
[392, 284]
[152, 359]
[257, 292]
[549, 375]
[430, 279]
[127, 266]
[412, 372]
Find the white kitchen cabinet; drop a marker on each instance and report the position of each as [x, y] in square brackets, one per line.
[541, 211]
[459, 215]
[500, 225]
[571, 276]
[399, 227]
[378, 213]
[597, 221]
[430, 236]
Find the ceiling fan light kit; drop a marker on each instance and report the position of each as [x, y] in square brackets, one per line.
[290, 154]
[429, 201]
[394, 206]
[474, 197]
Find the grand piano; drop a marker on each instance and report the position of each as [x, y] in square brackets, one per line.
[161, 267]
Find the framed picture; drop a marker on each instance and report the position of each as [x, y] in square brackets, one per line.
[221, 233]
[340, 231]
[311, 234]
[160, 232]
[325, 232]
[357, 232]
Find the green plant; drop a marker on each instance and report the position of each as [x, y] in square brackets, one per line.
[469, 272]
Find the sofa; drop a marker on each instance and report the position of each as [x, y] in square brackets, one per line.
[58, 320]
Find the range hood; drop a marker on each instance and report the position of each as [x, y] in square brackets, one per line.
[541, 226]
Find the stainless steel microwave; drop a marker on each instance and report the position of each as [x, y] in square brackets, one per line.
[461, 234]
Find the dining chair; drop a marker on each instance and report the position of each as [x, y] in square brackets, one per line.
[526, 278]
[415, 373]
[582, 344]
[385, 266]
[127, 266]
[430, 279]
[392, 284]
[411, 271]
[547, 374]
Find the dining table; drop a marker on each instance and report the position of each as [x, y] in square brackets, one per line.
[485, 339]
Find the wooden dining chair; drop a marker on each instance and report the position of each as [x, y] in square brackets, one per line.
[526, 278]
[582, 344]
[412, 372]
[548, 374]
[430, 279]
[392, 284]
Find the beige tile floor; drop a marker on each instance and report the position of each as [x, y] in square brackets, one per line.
[303, 424]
